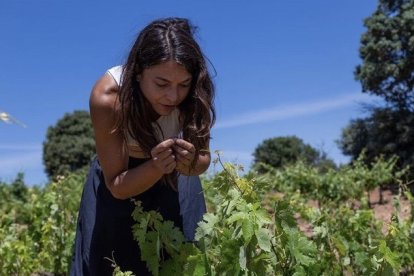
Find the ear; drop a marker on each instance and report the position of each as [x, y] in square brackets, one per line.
[138, 78]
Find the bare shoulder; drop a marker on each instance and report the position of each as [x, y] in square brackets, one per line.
[104, 94]
[102, 104]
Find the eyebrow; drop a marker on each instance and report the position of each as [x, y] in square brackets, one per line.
[163, 79]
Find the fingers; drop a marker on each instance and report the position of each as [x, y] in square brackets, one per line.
[163, 157]
[165, 163]
[169, 168]
[173, 154]
[185, 154]
[164, 145]
[184, 161]
[185, 145]
[184, 149]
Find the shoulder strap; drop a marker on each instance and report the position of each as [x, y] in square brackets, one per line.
[116, 72]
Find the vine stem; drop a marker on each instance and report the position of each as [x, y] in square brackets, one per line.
[273, 248]
[231, 176]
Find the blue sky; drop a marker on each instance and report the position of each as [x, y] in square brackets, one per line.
[282, 68]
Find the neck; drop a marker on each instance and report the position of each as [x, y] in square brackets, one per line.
[154, 116]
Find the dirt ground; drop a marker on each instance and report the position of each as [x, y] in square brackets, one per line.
[382, 211]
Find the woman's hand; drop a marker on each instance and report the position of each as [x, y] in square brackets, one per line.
[184, 154]
[163, 157]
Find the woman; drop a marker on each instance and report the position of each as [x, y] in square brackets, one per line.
[152, 120]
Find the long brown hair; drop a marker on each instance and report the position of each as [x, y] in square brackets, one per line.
[160, 41]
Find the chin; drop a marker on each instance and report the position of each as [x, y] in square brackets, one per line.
[165, 111]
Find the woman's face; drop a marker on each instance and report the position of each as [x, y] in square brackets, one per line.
[165, 86]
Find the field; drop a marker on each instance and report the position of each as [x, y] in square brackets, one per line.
[291, 221]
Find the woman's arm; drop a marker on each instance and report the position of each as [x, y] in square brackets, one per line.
[112, 151]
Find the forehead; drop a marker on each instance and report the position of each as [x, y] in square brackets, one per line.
[169, 70]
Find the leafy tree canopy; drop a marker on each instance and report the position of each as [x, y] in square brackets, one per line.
[386, 132]
[69, 145]
[280, 151]
[387, 53]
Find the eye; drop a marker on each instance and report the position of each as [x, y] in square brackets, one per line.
[185, 85]
[161, 84]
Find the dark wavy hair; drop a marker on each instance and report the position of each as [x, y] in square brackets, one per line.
[161, 41]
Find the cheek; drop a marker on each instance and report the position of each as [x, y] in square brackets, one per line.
[150, 92]
[184, 93]
[143, 88]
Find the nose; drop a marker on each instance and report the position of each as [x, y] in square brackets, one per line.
[172, 95]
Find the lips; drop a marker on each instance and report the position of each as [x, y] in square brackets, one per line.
[166, 109]
[168, 106]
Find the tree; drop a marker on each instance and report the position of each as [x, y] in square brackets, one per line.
[18, 188]
[69, 145]
[385, 132]
[387, 70]
[354, 138]
[387, 53]
[280, 151]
